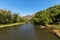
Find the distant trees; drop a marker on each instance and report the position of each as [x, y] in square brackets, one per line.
[7, 17]
[21, 19]
[48, 16]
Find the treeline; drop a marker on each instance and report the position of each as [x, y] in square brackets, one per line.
[48, 16]
[7, 17]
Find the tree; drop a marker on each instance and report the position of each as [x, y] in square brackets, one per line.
[14, 18]
[48, 16]
[5, 16]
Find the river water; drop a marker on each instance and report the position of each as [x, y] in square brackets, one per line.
[26, 32]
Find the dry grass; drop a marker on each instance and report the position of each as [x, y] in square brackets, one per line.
[57, 32]
[9, 25]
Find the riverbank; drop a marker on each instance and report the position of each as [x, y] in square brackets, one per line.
[10, 25]
[57, 32]
[51, 28]
[56, 29]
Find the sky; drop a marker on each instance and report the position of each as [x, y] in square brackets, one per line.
[27, 7]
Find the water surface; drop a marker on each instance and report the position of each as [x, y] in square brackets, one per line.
[26, 32]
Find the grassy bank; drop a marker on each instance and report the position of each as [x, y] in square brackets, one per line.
[10, 25]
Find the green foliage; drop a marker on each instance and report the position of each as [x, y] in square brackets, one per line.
[48, 16]
[7, 17]
[20, 19]
[14, 18]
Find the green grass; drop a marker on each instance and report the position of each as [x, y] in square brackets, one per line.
[9, 25]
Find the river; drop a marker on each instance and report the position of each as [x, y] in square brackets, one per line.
[26, 32]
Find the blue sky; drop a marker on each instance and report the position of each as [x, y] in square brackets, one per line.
[27, 7]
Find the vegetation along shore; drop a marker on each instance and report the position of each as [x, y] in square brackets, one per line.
[49, 16]
[8, 18]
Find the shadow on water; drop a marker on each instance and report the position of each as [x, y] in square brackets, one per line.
[25, 32]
